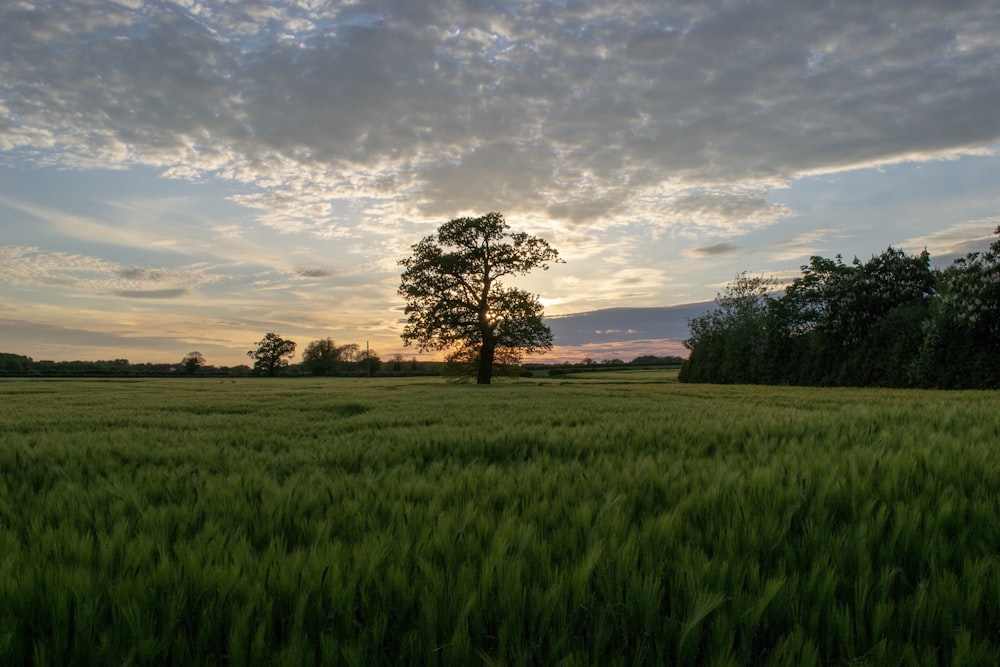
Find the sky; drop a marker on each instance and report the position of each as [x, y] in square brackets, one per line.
[192, 174]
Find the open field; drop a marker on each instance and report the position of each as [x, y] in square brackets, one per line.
[583, 521]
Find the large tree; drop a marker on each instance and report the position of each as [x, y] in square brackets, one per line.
[455, 299]
[271, 354]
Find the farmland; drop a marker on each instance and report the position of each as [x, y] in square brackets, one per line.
[599, 520]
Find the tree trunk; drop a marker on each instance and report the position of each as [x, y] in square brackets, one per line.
[486, 354]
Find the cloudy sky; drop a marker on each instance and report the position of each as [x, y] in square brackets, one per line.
[191, 174]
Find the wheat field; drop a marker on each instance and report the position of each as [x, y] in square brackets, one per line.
[618, 519]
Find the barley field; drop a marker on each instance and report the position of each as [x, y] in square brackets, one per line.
[618, 519]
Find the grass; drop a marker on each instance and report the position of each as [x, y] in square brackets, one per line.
[599, 520]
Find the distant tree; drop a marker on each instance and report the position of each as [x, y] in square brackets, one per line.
[322, 357]
[192, 362]
[397, 362]
[455, 300]
[369, 362]
[646, 360]
[271, 354]
[653, 360]
[350, 353]
[15, 363]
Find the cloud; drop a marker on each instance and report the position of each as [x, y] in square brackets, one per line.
[724, 248]
[804, 245]
[139, 274]
[955, 241]
[154, 294]
[25, 266]
[625, 324]
[602, 351]
[315, 273]
[47, 341]
[737, 209]
[57, 335]
[590, 114]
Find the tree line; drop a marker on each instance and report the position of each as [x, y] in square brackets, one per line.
[272, 356]
[645, 361]
[20, 365]
[892, 321]
[321, 358]
[330, 359]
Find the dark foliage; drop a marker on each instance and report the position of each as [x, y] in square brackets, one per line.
[21, 366]
[455, 299]
[891, 321]
[271, 354]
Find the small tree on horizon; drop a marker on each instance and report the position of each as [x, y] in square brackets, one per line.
[323, 357]
[369, 362]
[192, 362]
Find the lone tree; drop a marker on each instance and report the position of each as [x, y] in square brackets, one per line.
[455, 300]
[272, 354]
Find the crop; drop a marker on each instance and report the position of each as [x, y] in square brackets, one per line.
[601, 521]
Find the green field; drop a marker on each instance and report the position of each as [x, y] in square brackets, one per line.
[615, 519]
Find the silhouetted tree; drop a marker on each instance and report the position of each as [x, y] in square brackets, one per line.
[271, 354]
[349, 356]
[323, 357]
[455, 300]
[462, 365]
[369, 362]
[192, 362]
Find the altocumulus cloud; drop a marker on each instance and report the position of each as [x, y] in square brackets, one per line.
[590, 113]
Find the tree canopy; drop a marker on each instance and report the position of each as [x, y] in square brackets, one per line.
[324, 357]
[890, 321]
[192, 362]
[271, 354]
[456, 300]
